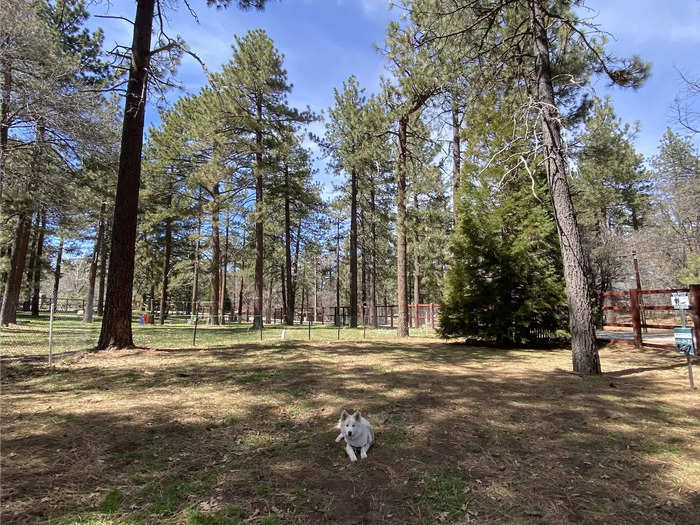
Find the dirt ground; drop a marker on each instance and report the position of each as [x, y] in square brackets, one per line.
[246, 435]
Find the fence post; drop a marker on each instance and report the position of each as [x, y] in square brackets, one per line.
[695, 312]
[636, 317]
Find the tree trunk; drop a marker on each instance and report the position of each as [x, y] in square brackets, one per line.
[224, 271]
[36, 277]
[363, 267]
[303, 298]
[28, 283]
[337, 276]
[373, 273]
[195, 277]
[215, 259]
[583, 340]
[166, 264]
[152, 303]
[259, 234]
[313, 315]
[4, 122]
[116, 323]
[284, 294]
[269, 300]
[18, 259]
[456, 158]
[401, 286]
[416, 268]
[353, 249]
[87, 315]
[103, 267]
[289, 303]
[240, 287]
[8, 311]
[57, 272]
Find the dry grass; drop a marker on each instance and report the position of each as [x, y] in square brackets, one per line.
[245, 435]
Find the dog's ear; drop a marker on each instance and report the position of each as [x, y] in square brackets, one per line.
[344, 415]
[357, 415]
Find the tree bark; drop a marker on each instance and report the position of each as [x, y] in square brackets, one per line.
[8, 311]
[315, 307]
[4, 123]
[152, 302]
[289, 303]
[269, 300]
[166, 263]
[373, 273]
[284, 294]
[401, 285]
[103, 267]
[116, 323]
[57, 272]
[353, 249]
[337, 276]
[240, 287]
[224, 271]
[89, 306]
[583, 341]
[28, 283]
[416, 268]
[259, 234]
[195, 277]
[18, 260]
[456, 158]
[303, 297]
[363, 267]
[36, 277]
[215, 259]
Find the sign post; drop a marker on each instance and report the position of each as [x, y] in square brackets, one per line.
[684, 336]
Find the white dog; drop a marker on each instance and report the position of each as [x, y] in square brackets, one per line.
[357, 433]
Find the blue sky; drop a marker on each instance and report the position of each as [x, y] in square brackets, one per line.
[325, 41]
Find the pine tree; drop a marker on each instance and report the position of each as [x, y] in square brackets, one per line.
[116, 324]
[611, 190]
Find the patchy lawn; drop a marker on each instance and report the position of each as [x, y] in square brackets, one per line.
[245, 435]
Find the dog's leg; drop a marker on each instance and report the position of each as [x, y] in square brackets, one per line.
[339, 437]
[351, 452]
[363, 451]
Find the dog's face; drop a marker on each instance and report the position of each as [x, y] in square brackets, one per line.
[349, 424]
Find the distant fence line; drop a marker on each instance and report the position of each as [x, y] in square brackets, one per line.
[423, 315]
[381, 316]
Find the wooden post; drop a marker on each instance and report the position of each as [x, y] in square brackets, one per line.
[694, 295]
[391, 315]
[636, 317]
[432, 315]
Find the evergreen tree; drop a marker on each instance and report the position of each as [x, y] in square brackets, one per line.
[116, 324]
[505, 280]
[611, 191]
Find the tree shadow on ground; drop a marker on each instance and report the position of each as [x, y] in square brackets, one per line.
[463, 434]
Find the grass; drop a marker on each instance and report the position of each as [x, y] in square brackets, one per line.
[30, 337]
[245, 434]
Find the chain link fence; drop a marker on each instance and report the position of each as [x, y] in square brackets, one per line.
[60, 332]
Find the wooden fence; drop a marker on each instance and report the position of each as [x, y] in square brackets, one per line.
[636, 307]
